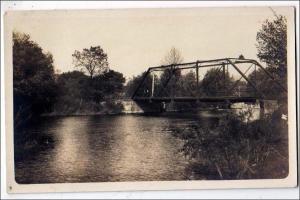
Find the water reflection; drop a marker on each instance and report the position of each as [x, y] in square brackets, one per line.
[147, 153]
[71, 156]
[108, 148]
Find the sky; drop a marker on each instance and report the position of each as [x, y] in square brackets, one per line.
[135, 39]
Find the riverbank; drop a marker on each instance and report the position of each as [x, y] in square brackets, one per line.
[83, 108]
[235, 148]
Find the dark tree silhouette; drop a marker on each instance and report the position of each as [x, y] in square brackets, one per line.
[213, 82]
[271, 43]
[92, 60]
[33, 79]
[272, 49]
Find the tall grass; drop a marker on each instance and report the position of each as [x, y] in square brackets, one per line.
[237, 148]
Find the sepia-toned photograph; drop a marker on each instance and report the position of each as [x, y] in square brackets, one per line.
[135, 95]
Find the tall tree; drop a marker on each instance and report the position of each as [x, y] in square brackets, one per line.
[92, 60]
[170, 76]
[172, 57]
[272, 44]
[33, 79]
[272, 49]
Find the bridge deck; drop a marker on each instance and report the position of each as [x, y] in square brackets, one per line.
[199, 99]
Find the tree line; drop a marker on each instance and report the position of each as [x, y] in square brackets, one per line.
[91, 87]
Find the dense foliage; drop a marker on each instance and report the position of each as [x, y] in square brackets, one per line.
[78, 94]
[216, 83]
[236, 148]
[272, 43]
[34, 83]
[38, 90]
[272, 49]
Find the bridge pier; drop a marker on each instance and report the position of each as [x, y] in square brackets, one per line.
[258, 110]
[267, 107]
[262, 109]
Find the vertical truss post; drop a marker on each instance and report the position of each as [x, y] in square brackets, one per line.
[255, 78]
[197, 76]
[228, 76]
[224, 78]
[152, 85]
[173, 83]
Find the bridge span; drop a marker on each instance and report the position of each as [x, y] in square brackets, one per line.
[203, 83]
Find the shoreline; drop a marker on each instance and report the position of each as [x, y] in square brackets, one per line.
[89, 114]
[198, 112]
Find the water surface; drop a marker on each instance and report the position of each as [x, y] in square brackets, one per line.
[108, 148]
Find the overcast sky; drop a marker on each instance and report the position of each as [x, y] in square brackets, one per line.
[137, 39]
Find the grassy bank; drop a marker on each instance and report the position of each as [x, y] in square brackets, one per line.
[79, 107]
[235, 148]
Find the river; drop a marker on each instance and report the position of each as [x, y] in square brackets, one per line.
[109, 148]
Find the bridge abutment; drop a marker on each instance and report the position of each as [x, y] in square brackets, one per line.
[257, 110]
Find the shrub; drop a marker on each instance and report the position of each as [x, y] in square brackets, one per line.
[235, 148]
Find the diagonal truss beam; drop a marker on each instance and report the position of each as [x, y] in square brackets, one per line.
[276, 81]
[144, 77]
[167, 81]
[235, 84]
[245, 77]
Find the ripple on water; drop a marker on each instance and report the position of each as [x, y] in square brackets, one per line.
[107, 148]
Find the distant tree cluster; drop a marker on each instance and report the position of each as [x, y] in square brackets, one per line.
[38, 90]
[80, 94]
